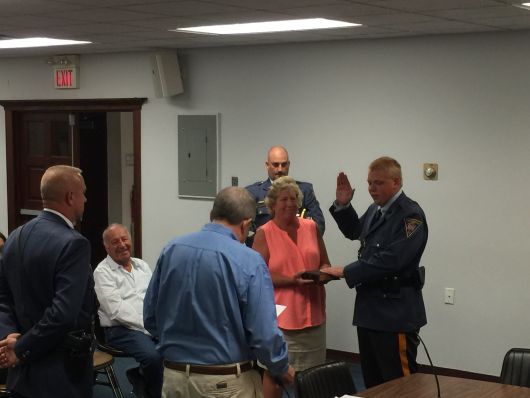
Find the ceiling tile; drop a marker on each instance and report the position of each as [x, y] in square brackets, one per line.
[140, 25]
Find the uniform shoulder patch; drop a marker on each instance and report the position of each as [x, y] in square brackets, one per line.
[411, 225]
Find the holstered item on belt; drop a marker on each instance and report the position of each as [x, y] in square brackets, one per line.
[78, 343]
[210, 369]
[78, 348]
[393, 283]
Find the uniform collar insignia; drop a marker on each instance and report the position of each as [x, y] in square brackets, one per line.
[411, 225]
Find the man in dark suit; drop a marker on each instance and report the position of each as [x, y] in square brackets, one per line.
[47, 292]
[277, 165]
[389, 309]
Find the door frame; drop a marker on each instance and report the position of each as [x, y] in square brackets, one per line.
[133, 105]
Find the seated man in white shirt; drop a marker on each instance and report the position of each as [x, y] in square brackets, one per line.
[121, 282]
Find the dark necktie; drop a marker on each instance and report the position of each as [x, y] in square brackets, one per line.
[376, 217]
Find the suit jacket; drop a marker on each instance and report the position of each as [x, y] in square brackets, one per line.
[46, 291]
[310, 203]
[392, 246]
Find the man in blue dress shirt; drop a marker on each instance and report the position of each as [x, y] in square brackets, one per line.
[277, 165]
[211, 304]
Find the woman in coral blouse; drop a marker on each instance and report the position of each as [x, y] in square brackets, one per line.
[292, 246]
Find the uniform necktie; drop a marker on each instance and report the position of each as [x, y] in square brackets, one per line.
[376, 217]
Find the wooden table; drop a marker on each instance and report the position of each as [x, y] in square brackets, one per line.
[421, 385]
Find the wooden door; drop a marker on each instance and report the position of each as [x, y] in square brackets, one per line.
[52, 115]
[45, 139]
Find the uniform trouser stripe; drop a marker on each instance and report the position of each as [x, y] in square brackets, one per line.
[386, 355]
[402, 337]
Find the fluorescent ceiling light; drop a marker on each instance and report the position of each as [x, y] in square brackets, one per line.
[525, 6]
[270, 26]
[37, 42]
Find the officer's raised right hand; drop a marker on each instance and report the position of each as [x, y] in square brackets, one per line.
[344, 193]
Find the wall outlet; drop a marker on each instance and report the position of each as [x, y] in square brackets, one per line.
[449, 295]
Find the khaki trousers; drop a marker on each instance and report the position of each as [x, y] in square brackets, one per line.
[179, 385]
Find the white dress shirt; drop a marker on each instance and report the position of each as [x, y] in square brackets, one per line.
[121, 293]
[66, 220]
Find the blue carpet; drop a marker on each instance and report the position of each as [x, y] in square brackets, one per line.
[120, 367]
[122, 364]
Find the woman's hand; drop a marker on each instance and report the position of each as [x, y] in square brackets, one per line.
[299, 281]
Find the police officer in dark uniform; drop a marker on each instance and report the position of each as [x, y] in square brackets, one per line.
[277, 165]
[389, 308]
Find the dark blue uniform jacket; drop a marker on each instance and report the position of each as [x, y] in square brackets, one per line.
[391, 247]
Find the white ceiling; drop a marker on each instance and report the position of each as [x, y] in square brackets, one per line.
[140, 25]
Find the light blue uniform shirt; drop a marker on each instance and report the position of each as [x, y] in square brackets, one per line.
[211, 301]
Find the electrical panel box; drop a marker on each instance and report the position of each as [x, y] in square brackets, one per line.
[198, 156]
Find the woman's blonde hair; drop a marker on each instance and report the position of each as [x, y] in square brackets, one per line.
[279, 185]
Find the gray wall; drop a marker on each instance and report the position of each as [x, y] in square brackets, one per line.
[460, 101]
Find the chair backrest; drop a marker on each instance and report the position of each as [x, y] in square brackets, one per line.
[99, 334]
[328, 380]
[516, 367]
[101, 341]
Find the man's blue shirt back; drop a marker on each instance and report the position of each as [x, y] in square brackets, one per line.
[211, 301]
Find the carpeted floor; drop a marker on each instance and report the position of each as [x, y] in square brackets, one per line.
[122, 364]
[120, 367]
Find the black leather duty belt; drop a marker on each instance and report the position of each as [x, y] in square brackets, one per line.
[210, 369]
[392, 283]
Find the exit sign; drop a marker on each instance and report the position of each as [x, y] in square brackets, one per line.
[65, 77]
